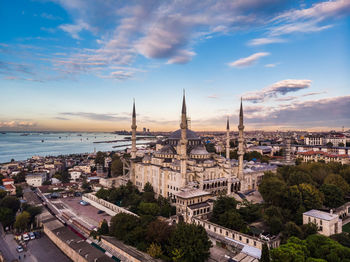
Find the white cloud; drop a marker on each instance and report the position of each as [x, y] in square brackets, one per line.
[279, 88]
[270, 65]
[265, 41]
[248, 61]
[75, 29]
[15, 124]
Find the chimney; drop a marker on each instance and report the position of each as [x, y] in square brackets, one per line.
[331, 211]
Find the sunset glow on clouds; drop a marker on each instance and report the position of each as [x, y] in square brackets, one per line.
[77, 64]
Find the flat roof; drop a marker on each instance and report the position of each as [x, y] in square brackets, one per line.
[320, 214]
[189, 193]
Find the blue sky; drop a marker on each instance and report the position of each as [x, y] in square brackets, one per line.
[77, 64]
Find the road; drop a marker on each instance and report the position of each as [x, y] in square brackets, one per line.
[42, 249]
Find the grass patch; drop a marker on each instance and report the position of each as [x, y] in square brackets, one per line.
[346, 228]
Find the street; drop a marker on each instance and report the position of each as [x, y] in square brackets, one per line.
[42, 249]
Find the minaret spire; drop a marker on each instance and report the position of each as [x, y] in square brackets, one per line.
[183, 142]
[240, 143]
[133, 132]
[228, 138]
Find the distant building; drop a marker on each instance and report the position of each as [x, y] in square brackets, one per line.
[8, 184]
[36, 179]
[327, 223]
[74, 174]
[316, 156]
[314, 140]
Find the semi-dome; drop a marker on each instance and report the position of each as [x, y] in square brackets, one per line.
[199, 150]
[189, 134]
[167, 149]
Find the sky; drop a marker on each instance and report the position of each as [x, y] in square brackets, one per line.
[77, 65]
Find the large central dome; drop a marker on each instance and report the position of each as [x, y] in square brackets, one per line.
[189, 134]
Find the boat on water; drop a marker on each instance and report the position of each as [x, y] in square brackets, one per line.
[42, 141]
[24, 134]
[3, 133]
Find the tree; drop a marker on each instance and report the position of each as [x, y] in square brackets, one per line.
[273, 190]
[191, 241]
[221, 205]
[11, 202]
[104, 228]
[333, 195]
[100, 158]
[158, 231]
[312, 197]
[1, 178]
[149, 209]
[117, 166]
[155, 250]
[233, 220]
[19, 191]
[341, 144]
[299, 177]
[309, 229]
[265, 253]
[3, 193]
[20, 177]
[292, 229]
[33, 211]
[22, 221]
[6, 216]
[339, 181]
[122, 224]
[103, 193]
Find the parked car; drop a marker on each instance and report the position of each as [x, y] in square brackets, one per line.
[83, 203]
[25, 237]
[37, 234]
[19, 249]
[31, 235]
[100, 212]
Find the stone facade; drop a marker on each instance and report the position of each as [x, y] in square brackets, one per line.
[327, 223]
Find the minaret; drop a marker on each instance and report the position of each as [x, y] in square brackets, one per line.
[228, 139]
[240, 144]
[183, 142]
[133, 133]
[229, 182]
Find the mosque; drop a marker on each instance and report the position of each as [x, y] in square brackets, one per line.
[181, 167]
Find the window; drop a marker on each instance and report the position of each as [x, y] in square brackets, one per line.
[240, 238]
[254, 243]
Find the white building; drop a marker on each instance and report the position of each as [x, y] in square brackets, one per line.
[36, 179]
[327, 223]
[182, 161]
[313, 140]
[74, 174]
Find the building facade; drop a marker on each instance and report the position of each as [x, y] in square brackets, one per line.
[182, 161]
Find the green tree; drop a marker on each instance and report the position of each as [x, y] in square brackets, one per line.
[104, 228]
[3, 193]
[265, 253]
[20, 177]
[158, 232]
[19, 191]
[221, 205]
[312, 197]
[117, 166]
[11, 202]
[149, 209]
[309, 229]
[103, 193]
[122, 224]
[339, 181]
[292, 229]
[1, 178]
[100, 158]
[333, 195]
[191, 240]
[155, 250]
[273, 190]
[6, 216]
[329, 144]
[22, 221]
[233, 220]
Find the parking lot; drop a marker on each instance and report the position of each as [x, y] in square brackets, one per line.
[42, 249]
[88, 214]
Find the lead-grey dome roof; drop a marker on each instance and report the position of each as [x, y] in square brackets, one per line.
[199, 150]
[189, 133]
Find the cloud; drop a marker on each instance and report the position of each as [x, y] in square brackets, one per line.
[182, 57]
[323, 112]
[75, 29]
[213, 96]
[98, 117]
[50, 16]
[265, 41]
[61, 118]
[248, 61]
[270, 65]
[279, 88]
[15, 124]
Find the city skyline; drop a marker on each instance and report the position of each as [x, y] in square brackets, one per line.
[77, 65]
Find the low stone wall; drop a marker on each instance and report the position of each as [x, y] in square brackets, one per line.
[130, 253]
[104, 205]
[235, 235]
[71, 253]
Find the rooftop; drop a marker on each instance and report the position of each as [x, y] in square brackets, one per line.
[321, 214]
[190, 193]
